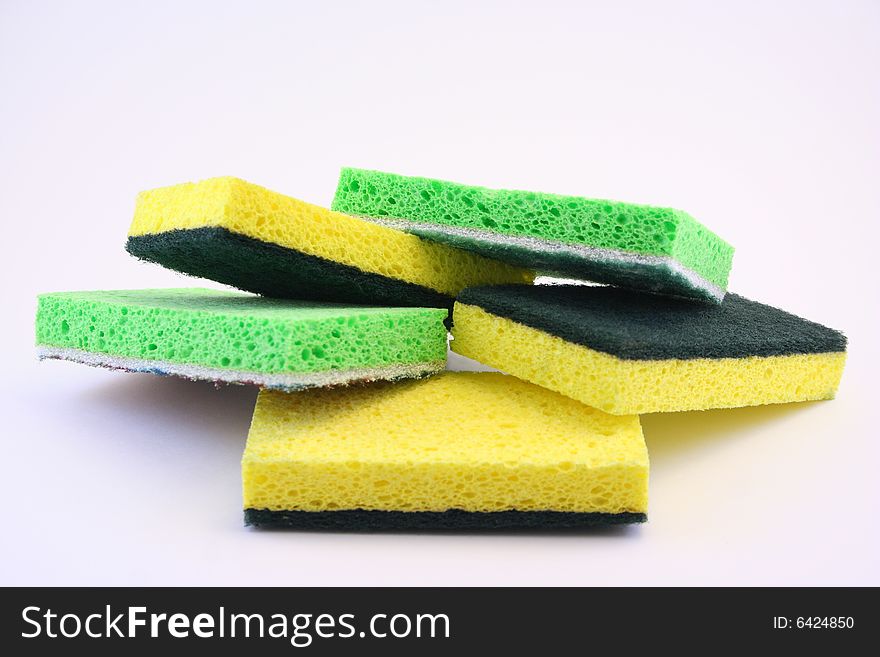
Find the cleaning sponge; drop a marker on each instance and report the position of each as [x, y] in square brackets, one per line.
[457, 450]
[639, 246]
[231, 231]
[240, 338]
[626, 352]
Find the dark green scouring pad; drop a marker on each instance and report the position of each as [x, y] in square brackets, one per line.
[237, 233]
[273, 270]
[636, 326]
[450, 520]
[654, 249]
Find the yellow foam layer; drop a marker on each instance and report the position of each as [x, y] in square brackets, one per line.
[622, 387]
[265, 215]
[458, 440]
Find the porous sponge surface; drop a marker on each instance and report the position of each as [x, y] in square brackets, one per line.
[615, 225]
[511, 446]
[253, 211]
[231, 330]
[625, 386]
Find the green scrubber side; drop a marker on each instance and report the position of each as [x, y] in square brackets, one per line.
[652, 248]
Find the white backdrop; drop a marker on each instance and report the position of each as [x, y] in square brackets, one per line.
[758, 118]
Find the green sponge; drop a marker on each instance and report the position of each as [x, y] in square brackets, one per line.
[638, 246]
[240, 338]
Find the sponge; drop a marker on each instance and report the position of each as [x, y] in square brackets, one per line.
[460, 450]
[639, 246]
[240, 338]
[626, 352]
[231, 231]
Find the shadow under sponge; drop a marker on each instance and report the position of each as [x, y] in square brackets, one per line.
[240, 338]
[386, 456]
[626, 352]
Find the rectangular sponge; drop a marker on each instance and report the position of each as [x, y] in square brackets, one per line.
[626, 352]
[638, 246]
[240, 338]
[460, 450]
[237, 233]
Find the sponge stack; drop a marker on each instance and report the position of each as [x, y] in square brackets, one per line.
[362, 293]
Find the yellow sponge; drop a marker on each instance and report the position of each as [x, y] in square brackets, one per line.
[255, 239]
[460, 449]
[625, 352]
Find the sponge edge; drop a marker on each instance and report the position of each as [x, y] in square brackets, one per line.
[436, 521]
[656, 249]
[285, 382]
[238, 338]
[635, 372]
[382, 456]
[247, 236]
[659, 274]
